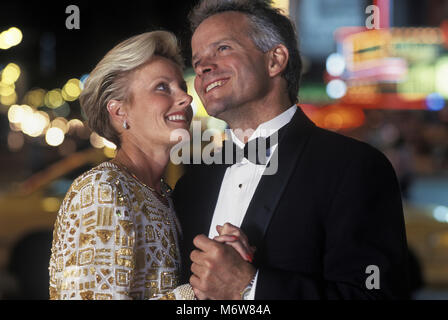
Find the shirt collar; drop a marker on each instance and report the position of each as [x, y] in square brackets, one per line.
[269, 127]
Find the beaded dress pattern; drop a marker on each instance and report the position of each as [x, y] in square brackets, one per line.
[114, 239]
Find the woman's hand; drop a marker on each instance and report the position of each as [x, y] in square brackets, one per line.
[234, 237]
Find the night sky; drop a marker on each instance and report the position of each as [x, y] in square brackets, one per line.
[103, 24]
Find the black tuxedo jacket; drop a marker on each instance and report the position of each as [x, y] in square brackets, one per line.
[332, 210]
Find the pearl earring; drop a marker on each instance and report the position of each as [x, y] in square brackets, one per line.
[125, 125]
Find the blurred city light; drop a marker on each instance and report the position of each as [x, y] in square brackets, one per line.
[196, 104]
[74, 124]
[83, 79]
[440, 213]
[435, 101]
[54, 136]
[10, 73]
[335, 64]
[9, 100]
[9, 38]
[282, 4]
[336, 89]
[35, 98]
[109, 144]
[110, 153]
[7, 89]
[441, 80]
[71, 90]
[54, 99]
[96, 140]
[60, 123]
[35, 123]
[16, 114]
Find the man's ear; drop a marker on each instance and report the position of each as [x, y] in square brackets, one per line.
[278, 60]
[117, 112]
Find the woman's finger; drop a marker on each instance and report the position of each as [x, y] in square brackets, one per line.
[229, 229]
[238, 246]
[227, 239]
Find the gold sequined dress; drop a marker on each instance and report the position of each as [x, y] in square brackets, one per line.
[114, 239]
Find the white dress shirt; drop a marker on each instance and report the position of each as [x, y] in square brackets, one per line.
[241, 180]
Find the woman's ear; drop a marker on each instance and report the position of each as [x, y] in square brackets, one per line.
[278, 60]
[117, 112]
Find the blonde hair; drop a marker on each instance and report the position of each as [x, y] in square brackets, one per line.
[109, 79]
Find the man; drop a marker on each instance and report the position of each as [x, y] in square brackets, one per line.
[328, 224]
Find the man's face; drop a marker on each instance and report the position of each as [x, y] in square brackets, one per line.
[231, 72]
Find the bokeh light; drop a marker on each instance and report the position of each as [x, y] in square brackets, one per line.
[7, 89]
[35, 123]
[335, 64]
[35, 98]
[435, 101]
[109, 144]
[440, 213]
[60, 123]
[54, 136]
[9, 100]
[71, 90]
[336, 89]
[10, 73]
[96, 140]
[11, 37]
[53, 99]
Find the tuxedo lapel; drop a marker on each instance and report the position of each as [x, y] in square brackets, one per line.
[271, 187]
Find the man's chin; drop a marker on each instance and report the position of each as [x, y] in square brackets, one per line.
[216, 110]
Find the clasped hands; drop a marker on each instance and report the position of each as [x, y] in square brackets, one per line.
[222, 266]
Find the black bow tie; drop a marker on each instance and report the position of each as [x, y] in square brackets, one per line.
[256, 151]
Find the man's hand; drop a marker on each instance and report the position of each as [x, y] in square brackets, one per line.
[219, 271]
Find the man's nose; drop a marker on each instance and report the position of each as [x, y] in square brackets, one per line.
[205, 67]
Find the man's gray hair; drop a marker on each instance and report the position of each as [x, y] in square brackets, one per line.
[269, 27]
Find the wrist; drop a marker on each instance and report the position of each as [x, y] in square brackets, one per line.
[244, 294]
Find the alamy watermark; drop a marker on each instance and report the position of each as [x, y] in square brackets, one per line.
[73, 20]
[188, 148]
[373, 280]
[373, 20]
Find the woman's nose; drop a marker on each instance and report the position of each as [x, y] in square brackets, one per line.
[185, 100]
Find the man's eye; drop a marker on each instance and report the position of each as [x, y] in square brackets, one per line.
[223, 47]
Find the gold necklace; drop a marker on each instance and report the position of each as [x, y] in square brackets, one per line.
[122, 166]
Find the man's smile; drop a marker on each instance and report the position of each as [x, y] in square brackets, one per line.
[215, 84]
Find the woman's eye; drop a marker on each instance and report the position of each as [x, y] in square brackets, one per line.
[162, 87]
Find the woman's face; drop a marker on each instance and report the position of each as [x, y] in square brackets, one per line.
[158, 103]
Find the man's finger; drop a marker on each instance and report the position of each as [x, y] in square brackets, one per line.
[199, 294]
[203, 242]
[197, 256]
[195, 281]
[198, 270]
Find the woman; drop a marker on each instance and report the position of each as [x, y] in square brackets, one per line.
[116, 235]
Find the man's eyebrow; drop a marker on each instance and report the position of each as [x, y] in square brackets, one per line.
[214, 44]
